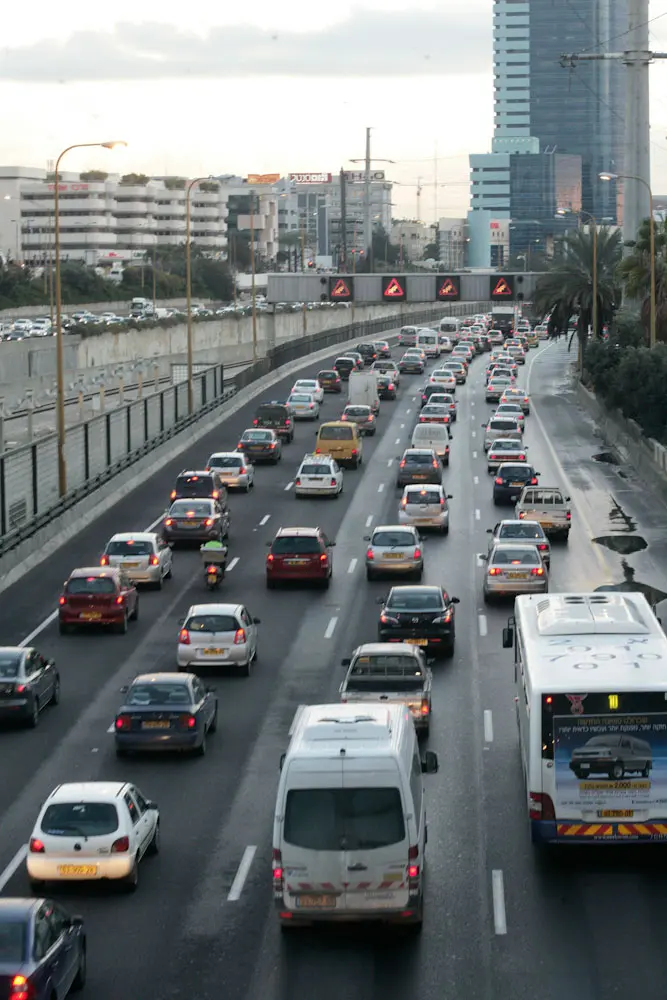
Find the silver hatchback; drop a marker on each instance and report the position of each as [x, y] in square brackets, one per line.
[143, 556]
[234, 469]
[217, 635]
[425, 507]
[394, 549]
[514, 569]
[509, 532]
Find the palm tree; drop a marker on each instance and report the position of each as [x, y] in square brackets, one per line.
[567, 287]
[634, 272]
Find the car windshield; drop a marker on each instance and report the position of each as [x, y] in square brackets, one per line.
[393, 538]
[186, 508]
[520, 530]
[130, 547]
[91, 585]
[295, 545]
[358, 411]
[335, 433]
[158, 694]
[212, 623]
[315, 470]
[423, 496]
[515, 557]
[9, 664]
[415, 600]
[343, 819]
[80, 819]
[12, 942]
[225, 461]
[418, 457]
[257, 436]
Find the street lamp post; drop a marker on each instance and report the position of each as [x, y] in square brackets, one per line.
[594, 317]
[60, 375]
[651, 229]
[188, 285]
[253, 272]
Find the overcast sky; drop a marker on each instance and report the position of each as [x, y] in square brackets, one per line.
[281, 87]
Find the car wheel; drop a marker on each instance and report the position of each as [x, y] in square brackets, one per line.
[213, 728]
[445, 529]
[496, 501]
[158, 583]
[370, 575]
[487, 598]
[169, 573]
[449, 649]
[646, 771]
[617, 770]
[135, 614]
[55, 694]
[326, 583]
[566, 535]
[131, 881]
[32, 721]
[245, 668]
[246, 488]
[154, 846]
[121, 751]
[270, 584]
[80, 978]
[122, 626]
[63, 629]
[418, 574]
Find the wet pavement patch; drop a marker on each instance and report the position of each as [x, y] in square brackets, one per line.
[607, 457]
[622, 521]
[652, 594]
[623, 545]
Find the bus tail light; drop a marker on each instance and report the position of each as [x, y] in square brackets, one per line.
[541, 806]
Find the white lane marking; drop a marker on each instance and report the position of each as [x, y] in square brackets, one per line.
[475, 480]
[289, 486]
[241, 874]
[369, 520]
[390, 462]
[474, 454]
[353, 565]
[18, 858]
[155, 523]
[408, 411]
[488, 725]
[40, 628]
[402, 427]
[473, 433]
[264, 519]
[232, 564]
[498, 889]
[329, 631]
[380, 487]
[483, 627]
[477, 515]
[398, 441]
[111, 728]
[472, 402]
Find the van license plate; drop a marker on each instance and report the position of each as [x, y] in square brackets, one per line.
[311, 901]
[130, 565]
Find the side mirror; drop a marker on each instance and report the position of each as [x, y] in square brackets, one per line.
[367, 538]
[170, 545]
[381, 600]
[454, 600]
[346, 661]
[257, 621]
[181, 622]
[429, 762]
[508, 637]
[268, 544]
[430, 661]
[489, 531]
[211, 690]
[330, 545]
[151, 805]
[125, 688]
[484, 557]
[282, 760]
[76, 920]
[567, 499]
[51, 663]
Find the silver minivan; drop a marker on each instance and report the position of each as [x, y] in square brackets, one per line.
[434, 436]
[501, 427]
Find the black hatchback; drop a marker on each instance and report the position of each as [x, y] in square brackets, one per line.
[345, 365]
[420, 616]
[199, 485]
[511, 478]
[277, 417]
[368, 352]
[418, 465]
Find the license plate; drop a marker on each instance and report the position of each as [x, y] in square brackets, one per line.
[310, 901]
[188, 524]
[419, 477]
[158, 724]
[214, 652]
[612, 813]
[547, 524]
[517, 576]
[90, 616]
[393, 555]
[317, 479]
[520, 485]
[416, 642]
[130, 565]
[297, 562]
[77, 869]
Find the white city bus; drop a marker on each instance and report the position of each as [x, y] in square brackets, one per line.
[591, 705]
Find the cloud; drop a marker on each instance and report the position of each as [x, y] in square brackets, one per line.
[367, 44]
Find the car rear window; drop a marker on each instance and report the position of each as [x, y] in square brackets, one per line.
[344, 819]
[520, 531]
[225, 461]
[315, 470]
[415, 600]
[419, 457]
[269, 412]
[391, 538]
[183, 508]
[196, 486]
[344, 363]
[91, 585]
[423, 496]
[515, 557]
[502, 425]
[158, 694]
[129, 548]
[212, 623]
[388, 664]
[13, 935]
[300, 397]
[9, 665]
[327, 375]
[357, 411]
[515, 471]
[257, 436]
[295, 544]
[80, 819]
[335, 433]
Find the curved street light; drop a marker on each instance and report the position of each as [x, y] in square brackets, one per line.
[188, 282]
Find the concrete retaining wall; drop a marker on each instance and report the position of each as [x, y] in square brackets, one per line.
[646, 455]
[120, 306]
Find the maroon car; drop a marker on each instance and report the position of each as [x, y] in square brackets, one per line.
[299, 554]
[97, 595]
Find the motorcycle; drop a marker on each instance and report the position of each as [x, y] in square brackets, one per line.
[215, 562]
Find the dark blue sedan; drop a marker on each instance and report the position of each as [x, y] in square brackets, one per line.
[166, 712]
[42, 950]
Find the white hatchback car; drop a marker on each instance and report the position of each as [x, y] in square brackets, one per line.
[143, 556]
[302, 406]
[445, 378]
[310, 386]
[318, 475]
[92, 830]
[217, 635]
[425, 507]
[234, 469]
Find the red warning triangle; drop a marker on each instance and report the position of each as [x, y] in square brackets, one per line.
[447, 288]
[502, 288]
[394, 289]
[341, 290]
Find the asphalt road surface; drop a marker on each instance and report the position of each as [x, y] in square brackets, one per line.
[499, 924]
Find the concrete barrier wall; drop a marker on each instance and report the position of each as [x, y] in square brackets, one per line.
[119, 306]
[644, 454]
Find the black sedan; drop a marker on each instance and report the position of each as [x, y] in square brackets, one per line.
[421, 616]
[386, 387]
[417, 466]
[42, 950]
[511, 477]
[261, 445]
[165, 712]
[195, 521]
[28, 683]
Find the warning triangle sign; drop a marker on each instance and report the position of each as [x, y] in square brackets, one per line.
[501, 288]
[341, 290]
[447, 289]
[394, 289]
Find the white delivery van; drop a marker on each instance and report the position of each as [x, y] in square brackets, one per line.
[349, 829]
[362, 389]
[407, 336]
[451, 326]
[435, 436]
[429, 342]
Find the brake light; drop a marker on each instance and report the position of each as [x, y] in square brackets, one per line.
[391, 386]
[499, 480]
[522, 458]
[541, 806]
[270, 558]
[388, 620]
[425, 709]
[404, 502]
[155, 561]
[442, 502]
[119, 599]
[168, 521]
[104, 561]
[568, 516]
[239, 445]
[369, 554]
[344, 416]
[413, 871]
[318, 451]
[311, 406]
[287, 422]
[435, 464]
[494, 571]
[184, 637]
[354, 451]
[255, 422]
[533, 481]
[522, 514]
[240, 637]
[20, 989]
[537, 571]
[543, 547]
[242, 470]
[36, 846]
[208, 522]
[418, 554]
[333, 481]
[402, 465]
[121, 845]
[123, 722]
[371, 417]
[189, 721]
[272, 445]
[62, 600]
[297, 482]
[323, 558]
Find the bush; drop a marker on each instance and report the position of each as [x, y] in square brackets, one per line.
[632, 380]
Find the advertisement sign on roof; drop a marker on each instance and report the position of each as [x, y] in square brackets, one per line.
[310, 178]
[263, 178]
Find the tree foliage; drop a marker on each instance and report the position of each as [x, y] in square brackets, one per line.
[134, 180]
[634, 273]
[632, 380]
[93, 175]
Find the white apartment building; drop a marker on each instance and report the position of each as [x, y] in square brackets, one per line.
[453, 243]
[413, 237]
[113, 219]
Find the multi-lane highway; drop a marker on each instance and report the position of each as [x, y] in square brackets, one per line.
[499, 923]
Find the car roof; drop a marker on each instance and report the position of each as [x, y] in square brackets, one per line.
[264, 430]
[93, 571]
[14, 649]
[425, 588]
[137, 536]
[418, 451]
[161, 678]
[394, 527]
[17, 907]
[231, 454]
[294, 532]
[77, 791]
[513, 520]
[191, 500]
[213, 609]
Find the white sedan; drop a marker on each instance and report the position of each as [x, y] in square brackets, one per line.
[302, 406]
[311, 386]
[318, 475]
[443, 377]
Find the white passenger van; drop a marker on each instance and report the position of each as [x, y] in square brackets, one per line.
[429, 342]
[349, 828]
[591, 704]
[451, 326]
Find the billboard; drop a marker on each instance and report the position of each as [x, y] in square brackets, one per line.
[359, 176]
[263, 178]
[310, 178]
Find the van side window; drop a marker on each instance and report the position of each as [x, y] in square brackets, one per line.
[416, 786]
